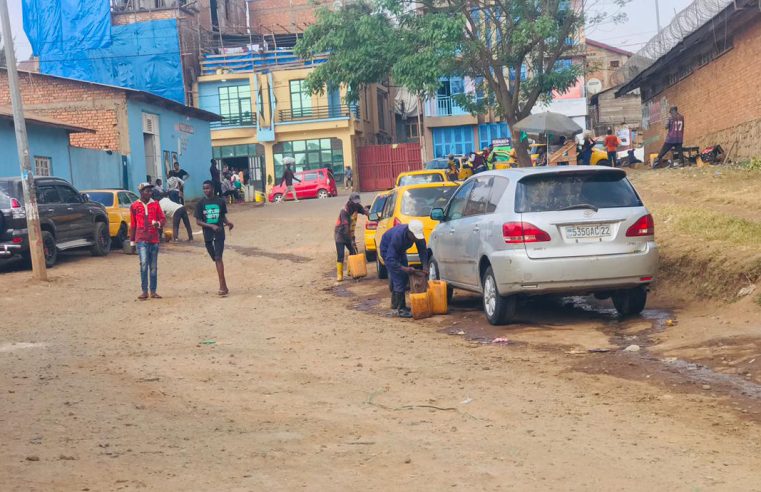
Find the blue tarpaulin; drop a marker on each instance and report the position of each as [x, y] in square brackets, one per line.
[143, 56]
[53, 24]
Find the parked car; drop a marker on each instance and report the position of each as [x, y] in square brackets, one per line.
[315, 183]
[68, 220]
[406, 203]
[559, 230]
[372, 224]
[117, 203]
[419, 177]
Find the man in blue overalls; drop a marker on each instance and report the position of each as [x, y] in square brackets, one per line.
[393, 249]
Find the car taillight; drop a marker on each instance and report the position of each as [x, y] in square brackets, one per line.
[15, 203]
[371, 226]
[17, 240]
[523, 232]
[397, 221]
[643, 227]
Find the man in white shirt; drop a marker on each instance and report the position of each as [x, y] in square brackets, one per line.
[175, 187]
[176, 213]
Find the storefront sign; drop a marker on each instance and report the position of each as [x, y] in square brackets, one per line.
[500, 142]
[182, 127]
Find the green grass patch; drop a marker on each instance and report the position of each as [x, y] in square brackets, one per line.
[709, 226]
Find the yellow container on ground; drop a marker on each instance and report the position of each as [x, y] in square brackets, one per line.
[357, 266]
[437, 290]
[168, 234]
[421, 305]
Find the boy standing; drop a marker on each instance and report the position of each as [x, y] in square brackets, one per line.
[211, 216]
[146, 219]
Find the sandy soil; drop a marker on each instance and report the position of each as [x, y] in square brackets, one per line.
[293, 383]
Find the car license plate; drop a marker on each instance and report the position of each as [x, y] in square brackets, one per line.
[585, 231]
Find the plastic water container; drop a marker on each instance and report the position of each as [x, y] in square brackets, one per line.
[437, 290]
[357, 266]
[421, 305]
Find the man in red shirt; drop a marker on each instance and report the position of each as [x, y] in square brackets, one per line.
[146, 219]
[611, 145]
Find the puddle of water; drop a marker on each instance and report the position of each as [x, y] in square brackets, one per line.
[705, 375]
[247, 251]
[11, 347]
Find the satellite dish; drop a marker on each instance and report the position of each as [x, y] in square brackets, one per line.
[594, 86]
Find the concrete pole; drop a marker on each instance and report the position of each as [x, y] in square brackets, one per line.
[36, 248]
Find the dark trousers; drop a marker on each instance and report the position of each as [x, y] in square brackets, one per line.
[676, 147]
[217, 188]
[397, 279]
[341, 246]
[181, 215]
[612, 159]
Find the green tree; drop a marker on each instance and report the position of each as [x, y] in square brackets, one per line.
[491, 41]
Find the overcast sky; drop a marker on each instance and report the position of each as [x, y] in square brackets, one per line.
[640, 25]
[631, 35]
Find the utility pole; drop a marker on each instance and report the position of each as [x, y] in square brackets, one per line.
[658, 15]
[27, 177]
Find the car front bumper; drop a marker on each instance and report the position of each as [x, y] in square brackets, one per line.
[517, 273]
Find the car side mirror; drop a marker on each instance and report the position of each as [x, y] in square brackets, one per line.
[85, 197]
[374, 217]
[437, 214]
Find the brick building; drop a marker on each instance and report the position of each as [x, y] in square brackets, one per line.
[714, 77]
[148, 131]
[603, 61]
[282, 16]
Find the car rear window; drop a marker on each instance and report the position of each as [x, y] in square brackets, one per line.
[7, 191]
[105, 199]
[419, 202]
[414, 179]
[569, 190]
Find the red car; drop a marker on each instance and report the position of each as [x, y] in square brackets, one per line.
[315, 183]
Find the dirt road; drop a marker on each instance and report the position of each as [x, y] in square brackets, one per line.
[291, 383]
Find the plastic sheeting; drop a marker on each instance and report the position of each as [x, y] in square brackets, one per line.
[143, 56]
[54, 24]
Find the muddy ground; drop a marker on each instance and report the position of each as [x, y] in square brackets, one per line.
[292, 383]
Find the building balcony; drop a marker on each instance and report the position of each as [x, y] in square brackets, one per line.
[127, 6]
[443, 106]
[252, 58]
[234, 121]
[317, 113]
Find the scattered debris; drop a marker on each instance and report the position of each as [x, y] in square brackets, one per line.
[208, 341]
[670, 322]
[746, 291]
[466, 401]
[33, 458]
[632, 348]
[503, 341]
[598, 350]
[706, 386]
[460, 332]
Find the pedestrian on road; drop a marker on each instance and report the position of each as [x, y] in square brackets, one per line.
[211, 215]
[393, 249]
[215, 179]
[344, 232]
[146, 220]
[175, 188]
[453, 171]
[611, 145]
[348, 181]
[288, 178]
[674, 137]
[586, 148]
[175, 212]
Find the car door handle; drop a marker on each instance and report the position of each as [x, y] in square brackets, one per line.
[71, 209]
[51, 210]
[476, 229]
[451, 231]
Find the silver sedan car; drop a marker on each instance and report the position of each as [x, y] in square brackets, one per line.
[556, 230]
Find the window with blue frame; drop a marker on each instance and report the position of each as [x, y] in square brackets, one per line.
[453, 140]
[491, 131]
[235, 105]
[450, 86]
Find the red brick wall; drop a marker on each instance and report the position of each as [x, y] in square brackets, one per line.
[721, 101]
[99, 108]
[283, 16]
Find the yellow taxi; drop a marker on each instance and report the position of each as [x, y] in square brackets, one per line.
[420, 177]
[371, 225]
[117, 203]
[406, 203]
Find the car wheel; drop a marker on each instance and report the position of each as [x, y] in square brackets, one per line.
[381, 268]
[277, 198]
[121, 237]
[102, 244]
[603, 162]
[630, 302]
[435, 274]
[499, 310]
[370, 256]
[49, 249]
[322, 194]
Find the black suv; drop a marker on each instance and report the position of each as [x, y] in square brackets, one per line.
[68, 220]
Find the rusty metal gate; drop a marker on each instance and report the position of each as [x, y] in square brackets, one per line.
[379, 165]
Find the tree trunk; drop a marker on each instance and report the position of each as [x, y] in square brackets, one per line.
[521, 148]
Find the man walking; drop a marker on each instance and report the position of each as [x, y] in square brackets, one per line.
[674, 137]
[611, 145]
[215, 179]
[393, 249]
[175, 212]
[288, 178]
[348, 181]
[146, 219]
[211, 215]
